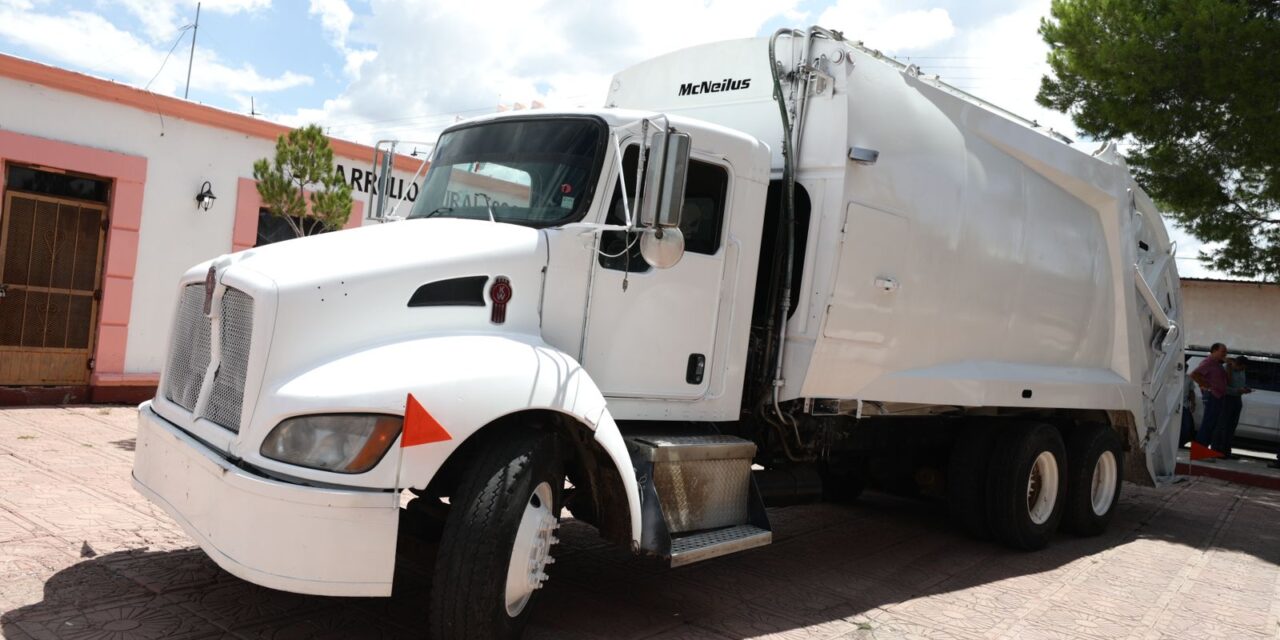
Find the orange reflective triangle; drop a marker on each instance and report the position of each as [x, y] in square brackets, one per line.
[1201, 452]
[419, 426]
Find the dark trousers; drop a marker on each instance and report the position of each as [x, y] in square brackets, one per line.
[1226, 431]
[1209, 421]
[1188, 426]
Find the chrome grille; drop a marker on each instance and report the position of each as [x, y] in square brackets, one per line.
[235, 330]
[189, 352]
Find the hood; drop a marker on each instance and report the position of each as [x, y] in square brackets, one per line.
[325, 296]
[408, 248]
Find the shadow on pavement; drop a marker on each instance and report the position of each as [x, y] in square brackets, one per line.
[884, 567]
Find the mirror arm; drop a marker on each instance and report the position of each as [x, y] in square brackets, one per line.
[622, 179]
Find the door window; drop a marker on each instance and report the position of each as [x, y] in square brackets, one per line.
[701, 219]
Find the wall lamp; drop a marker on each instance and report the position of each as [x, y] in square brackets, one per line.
[205, 198]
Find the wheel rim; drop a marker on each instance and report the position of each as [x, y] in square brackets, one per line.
[531, 552]
[1105, 477]
[1042, 488]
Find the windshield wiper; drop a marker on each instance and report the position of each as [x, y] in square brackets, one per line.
[437, 210]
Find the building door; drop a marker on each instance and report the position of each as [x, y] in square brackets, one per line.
[51, 242]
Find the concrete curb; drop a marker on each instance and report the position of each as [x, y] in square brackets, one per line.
[1230, 475]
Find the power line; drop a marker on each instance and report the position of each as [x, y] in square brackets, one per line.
[181, 34]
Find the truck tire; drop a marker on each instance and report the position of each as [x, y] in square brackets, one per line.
[1095, 466]
[967, 478]
[1026, 485]
[497, 539]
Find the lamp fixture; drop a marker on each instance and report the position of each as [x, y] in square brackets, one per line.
[205, 198]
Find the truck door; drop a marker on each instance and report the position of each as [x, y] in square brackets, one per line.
[650, 333]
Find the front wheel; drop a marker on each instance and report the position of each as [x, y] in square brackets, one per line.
[497, 541]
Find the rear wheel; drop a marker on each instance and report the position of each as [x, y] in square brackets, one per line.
[1093, 479]
[844, 483]
[967, 478]
[496, 543]
[1027, 485]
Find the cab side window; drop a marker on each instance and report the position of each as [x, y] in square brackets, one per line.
[703, 215]
[701, 219]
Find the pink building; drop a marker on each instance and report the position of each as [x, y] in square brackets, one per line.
[99, 217]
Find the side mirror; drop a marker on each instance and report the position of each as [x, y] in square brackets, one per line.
[384, 156]
[664, 179]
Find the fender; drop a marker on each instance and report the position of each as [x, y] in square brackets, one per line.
[465, 382]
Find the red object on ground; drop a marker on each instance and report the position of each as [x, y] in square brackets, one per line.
[1201, 452]
[419, 425]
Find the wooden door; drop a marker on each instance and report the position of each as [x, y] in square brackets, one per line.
[50, 275]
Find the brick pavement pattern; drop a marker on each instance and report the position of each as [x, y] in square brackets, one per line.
[82, 555]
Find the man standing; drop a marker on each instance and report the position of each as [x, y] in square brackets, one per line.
[1212, 379]
[1232, 404]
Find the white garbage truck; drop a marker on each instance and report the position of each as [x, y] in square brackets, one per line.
[768, 271]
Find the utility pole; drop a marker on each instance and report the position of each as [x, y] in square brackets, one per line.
[195, 31]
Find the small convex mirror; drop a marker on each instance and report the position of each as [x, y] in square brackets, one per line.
[662, 248]
[664, 179]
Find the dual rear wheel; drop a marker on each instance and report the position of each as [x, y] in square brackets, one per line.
[1017, 483]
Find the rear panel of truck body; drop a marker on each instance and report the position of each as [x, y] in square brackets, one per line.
[978, 262]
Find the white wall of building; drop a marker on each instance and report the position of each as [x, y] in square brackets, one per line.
[1243, 315]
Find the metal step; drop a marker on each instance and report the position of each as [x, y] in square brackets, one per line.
[705, 545]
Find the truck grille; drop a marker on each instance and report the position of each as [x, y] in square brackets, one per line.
[192, 349]
[189, 352]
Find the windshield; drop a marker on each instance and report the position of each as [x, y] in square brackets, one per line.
[537, 172]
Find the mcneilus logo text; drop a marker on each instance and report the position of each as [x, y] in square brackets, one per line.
[707, 86]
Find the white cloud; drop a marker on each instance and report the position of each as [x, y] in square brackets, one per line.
[880, 26]
[422, 65]
[91, 42]
[1002, 61]
[335, 19]
[161, 19]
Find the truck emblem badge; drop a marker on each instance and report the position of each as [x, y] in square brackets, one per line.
[500, 294]
[210, 281]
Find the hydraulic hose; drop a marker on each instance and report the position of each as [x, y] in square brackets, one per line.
[789, 219]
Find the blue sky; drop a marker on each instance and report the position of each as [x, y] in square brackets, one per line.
[372, 69]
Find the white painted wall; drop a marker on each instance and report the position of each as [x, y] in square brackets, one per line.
[180, 156]
[1243, 315]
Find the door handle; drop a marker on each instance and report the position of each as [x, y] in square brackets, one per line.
[887, 284]
[4, 291]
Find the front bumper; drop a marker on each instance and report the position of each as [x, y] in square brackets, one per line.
[276, 534]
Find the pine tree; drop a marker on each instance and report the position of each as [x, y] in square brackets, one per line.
[302, 172]
[1191, 86]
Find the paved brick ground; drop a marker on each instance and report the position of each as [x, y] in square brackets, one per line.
[83, 556]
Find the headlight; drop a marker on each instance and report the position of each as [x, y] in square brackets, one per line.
[345, 443]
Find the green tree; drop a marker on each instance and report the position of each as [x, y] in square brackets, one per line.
[303, 171]
[1191, 85]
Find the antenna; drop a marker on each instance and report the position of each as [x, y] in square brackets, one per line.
[195, 32]
[253, 111]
